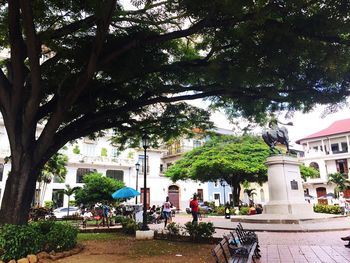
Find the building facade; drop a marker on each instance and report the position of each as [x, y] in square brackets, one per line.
[328, 152]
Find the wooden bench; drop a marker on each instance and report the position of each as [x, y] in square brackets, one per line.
[224, 252]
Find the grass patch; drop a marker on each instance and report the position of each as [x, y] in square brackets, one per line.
[100, 236]
[153, 248]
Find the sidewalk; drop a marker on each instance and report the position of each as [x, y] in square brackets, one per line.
[302, 247]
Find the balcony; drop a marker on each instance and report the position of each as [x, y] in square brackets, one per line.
[102, 160]
[178, 150]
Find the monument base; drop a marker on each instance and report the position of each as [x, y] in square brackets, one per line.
[144, 234]
[289, 208]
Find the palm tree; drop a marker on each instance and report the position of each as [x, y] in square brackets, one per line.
[340, 180]
[68, 192]
[250, 192]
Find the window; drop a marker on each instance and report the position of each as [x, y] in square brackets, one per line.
[344, 147]
[335, 147]
[1, 171]
[342, 166]
[115, 174]
[161, 168]
[216, 184]
[142, 164]
[114, 152]
[262, 196]
[89, 149]
[315, 166]
[81, 172]
[59, 180]
[217, 197]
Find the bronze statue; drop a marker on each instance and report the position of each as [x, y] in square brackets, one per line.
[276, 135]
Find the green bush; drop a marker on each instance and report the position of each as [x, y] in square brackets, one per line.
[119, 219]
[61, 237]
[327, 209]
[17, 241]
[48, 204]
[244, 210]
[173, 228]
[130, 226]
[201, 230]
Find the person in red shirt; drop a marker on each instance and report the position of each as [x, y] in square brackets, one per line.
[194, 209]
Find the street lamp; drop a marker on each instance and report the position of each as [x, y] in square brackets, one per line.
[137, 166]
[223, 184]
[145, 145]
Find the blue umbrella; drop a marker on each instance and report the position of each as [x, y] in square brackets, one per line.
[125, 192]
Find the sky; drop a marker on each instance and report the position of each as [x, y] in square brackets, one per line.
[303, 124]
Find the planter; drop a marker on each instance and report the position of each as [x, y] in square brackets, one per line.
[181, 238]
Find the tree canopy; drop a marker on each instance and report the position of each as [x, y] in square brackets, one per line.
[233, 159]
[78, 67]
[97, 188]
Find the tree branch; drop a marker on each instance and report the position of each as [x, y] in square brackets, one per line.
[17, 47]
[34, 51]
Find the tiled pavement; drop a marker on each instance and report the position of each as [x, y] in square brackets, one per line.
[301, 247]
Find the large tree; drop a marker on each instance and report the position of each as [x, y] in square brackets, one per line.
[79, 67]
[233, 159]
[97, 189]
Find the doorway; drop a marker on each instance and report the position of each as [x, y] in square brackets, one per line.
[321, 191]
[174, 196]
[147, 197]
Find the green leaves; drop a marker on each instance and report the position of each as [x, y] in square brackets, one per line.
[227, 157]
[97, 188]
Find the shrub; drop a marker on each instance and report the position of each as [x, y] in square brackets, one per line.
[48, 204]
[61, 237]
[130, 226]
[37, 213]
[327, 209]
[201, 230]
[173, 228]
[244, 210]
[43, 227]
[119, 219]
[220, 210]
[17, 241]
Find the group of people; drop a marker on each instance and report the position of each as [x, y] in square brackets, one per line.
[166, 212]
[101, 213]
[255, 209]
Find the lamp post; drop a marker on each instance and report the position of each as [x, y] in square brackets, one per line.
[137, 166]
[223, 184]
[145, 145]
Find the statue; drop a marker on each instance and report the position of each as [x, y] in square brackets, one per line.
[276, 135]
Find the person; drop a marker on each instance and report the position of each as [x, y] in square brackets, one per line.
[87, 215]
[194, 209]
[259, 209]
[227, 210]
[166, 211]
[252, 210]
[105, 213]
[342, 203]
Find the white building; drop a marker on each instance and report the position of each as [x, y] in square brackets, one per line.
[328, 152]
[87, 155]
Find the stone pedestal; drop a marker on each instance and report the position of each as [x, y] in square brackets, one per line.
[286, 194]
[148, 234]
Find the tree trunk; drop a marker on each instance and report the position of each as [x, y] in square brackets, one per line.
[236, 190]
[18, 195]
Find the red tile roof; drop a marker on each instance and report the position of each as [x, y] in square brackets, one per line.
[337, 127]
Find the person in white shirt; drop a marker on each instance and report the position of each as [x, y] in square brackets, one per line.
[166, 211]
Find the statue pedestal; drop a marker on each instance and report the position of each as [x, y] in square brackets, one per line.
[286, 194]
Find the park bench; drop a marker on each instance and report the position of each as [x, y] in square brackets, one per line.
[225, 252]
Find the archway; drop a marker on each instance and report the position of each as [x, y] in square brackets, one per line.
[174, 195]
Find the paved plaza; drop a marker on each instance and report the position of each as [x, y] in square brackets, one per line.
[315, 246]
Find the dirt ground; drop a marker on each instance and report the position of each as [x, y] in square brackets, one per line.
[130, 250]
